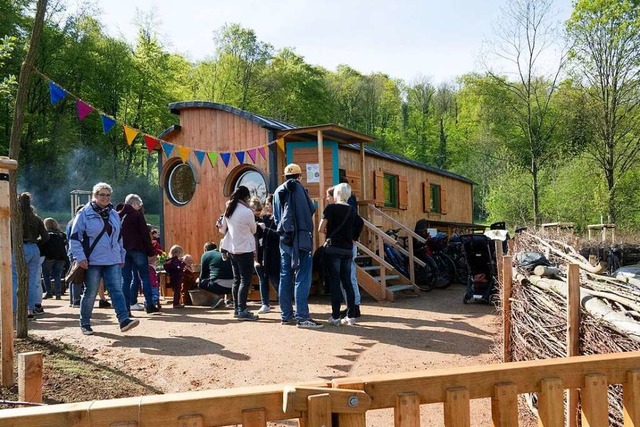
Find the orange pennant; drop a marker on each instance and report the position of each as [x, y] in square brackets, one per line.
[183, 152]
[280, 142]
[130, 133]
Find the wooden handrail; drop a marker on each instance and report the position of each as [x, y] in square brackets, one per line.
[452, 386]
[391, 241]
[400, 225]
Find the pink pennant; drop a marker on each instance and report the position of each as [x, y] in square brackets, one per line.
[262, 153]
[252, 154]
[83, 109]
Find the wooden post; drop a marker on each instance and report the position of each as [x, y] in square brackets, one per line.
[407, 410]
[350, 420]
[321, 186]
[504, 405]
[507, 273]
[551, 403]
[573, 334]
[6, 284]
[363, 174]
[196, 420]
[594, 401]
[319, 414]
[254, 417]
[631, 399]
[456, 408]
[30, 377]
[499, 255]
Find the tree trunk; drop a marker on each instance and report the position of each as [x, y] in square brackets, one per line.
[536, 192]
[14, 152]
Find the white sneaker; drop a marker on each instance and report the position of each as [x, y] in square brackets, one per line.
[334, 322]
[264, 309]
[137, 307]
[349, 321]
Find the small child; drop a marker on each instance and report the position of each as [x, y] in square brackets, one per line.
[175, 270]
[188, 280]
[155, 284]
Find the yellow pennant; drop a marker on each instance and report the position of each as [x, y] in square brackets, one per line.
[130, 133]
[183, 152]
[280, 142]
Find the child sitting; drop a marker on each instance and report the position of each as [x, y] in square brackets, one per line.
[188, 280]
[175, 270]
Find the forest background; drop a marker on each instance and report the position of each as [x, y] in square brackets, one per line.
[549, 131]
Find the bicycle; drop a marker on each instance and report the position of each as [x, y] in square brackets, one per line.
[425, 278]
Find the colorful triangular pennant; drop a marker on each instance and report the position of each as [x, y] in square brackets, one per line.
[167, 148]
[130, 133]
[225, 158]
[252, 154]
[212, 158]
[262, 153]
[83, 109]
[199, 155]
[151, 142]
[56, 93]
[240, 156]
[107, 123]
[183, 152]
[280, 142]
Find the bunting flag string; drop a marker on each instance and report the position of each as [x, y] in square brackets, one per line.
[57, 93]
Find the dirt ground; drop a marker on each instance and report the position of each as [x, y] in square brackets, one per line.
[197, 348]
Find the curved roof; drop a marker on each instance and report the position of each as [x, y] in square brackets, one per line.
[266, 122]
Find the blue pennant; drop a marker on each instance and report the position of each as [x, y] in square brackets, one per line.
[56, 93]
[225, 158]
[107, 123]
[167, 148]
[199, 155]
[240, 156]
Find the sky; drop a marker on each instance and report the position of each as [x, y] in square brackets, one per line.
[407, 39]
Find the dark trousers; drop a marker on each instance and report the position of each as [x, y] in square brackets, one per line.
[242, 265]
[339, 269]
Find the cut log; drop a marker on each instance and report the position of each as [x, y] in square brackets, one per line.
[544, 271]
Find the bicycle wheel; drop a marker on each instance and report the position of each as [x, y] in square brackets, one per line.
[424, 278]
[444, 274]
[447, 267]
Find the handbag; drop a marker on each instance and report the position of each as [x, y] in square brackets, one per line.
[77, 274]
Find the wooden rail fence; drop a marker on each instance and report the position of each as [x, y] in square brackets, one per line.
[351, 398]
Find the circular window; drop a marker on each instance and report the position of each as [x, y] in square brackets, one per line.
[181, 184]
[255, 182]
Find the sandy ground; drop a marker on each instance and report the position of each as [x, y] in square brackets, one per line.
[197, 348]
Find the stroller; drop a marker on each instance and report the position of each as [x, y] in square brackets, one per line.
[479, 255]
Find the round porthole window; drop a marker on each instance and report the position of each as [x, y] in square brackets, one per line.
[255, 182]
[181, 184]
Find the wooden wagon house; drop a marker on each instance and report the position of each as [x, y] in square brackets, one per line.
[393, 192]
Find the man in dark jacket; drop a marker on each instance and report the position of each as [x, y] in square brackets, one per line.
[293, 212]
[136, 240]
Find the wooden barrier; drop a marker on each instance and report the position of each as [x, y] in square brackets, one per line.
[352, 398]
[30, 377]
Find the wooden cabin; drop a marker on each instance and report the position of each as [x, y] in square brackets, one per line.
[257, 149]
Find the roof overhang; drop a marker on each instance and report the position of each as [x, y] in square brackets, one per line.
[330, 132]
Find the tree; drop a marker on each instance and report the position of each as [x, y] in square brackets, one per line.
[606, 53]
[527, 35]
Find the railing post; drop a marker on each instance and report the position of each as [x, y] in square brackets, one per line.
[499, 254]
[412, 273]
[551, 403]
[254, 417]
[407, 410]
[507, 274]
[573, 334]
[30, 377]
[6, 286]
[350, 420]
[456, 408]
[594, 401]
[504, 405]
[631, 399]
[189, 421]
[319, 414]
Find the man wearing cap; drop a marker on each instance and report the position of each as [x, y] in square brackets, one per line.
[293, 211]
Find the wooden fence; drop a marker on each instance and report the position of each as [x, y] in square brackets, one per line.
[313, 405]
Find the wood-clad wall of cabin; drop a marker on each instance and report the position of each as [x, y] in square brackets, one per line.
[303, 156]
[459, 195]
[205, 129]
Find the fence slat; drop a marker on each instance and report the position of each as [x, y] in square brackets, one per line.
[254, 417]
[594, 401]
[504, 405]
[351, 420]
[631, 399]
[30, 377]
[551, 403]
[319, 414]
[407, 410]
[195, 420]
[456, 408]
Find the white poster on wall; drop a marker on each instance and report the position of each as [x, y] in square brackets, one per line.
[313, 172]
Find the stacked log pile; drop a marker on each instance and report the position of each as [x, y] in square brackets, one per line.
[610, 319]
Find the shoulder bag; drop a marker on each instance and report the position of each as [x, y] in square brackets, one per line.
[77, 274]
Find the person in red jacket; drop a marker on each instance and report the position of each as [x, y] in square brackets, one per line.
[136, 240]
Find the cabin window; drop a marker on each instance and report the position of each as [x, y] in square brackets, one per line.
[390, 191]
[436, 205]
[180, 184]
[254, 181]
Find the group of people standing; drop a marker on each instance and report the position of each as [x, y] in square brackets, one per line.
[291, 225]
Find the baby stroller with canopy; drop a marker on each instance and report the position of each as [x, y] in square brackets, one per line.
[479, 255]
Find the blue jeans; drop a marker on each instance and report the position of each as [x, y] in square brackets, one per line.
[52, 269]
[354, 281]
[264, 283]
[34, 289]
[112, 275]
[301, 288]
[242, 265]
[136, 263]
[339, 268]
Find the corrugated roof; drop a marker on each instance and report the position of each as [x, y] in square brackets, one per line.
[407, 161]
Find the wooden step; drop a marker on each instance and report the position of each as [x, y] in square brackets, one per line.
[398, 288]
[387, 277]
[371, 267]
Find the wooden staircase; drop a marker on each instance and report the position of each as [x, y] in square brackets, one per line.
[374, 274]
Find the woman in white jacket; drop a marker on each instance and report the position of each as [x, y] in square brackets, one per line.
[241, 244]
